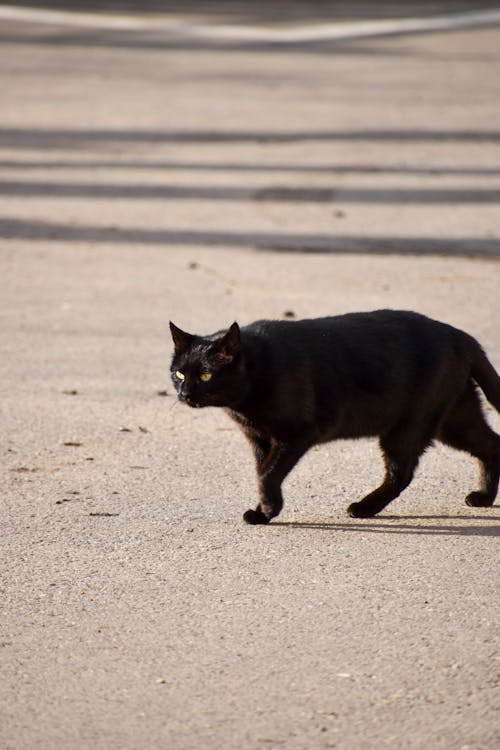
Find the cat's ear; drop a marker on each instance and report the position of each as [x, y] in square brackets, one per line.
[182, 340]
[229, 346]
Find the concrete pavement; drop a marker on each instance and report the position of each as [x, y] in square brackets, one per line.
[147, 178]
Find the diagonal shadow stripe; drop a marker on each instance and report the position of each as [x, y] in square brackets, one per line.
[280, 242]
[57, 138]
[295, 194]
[267, 167]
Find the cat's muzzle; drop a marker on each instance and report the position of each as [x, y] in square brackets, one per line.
[186, 399]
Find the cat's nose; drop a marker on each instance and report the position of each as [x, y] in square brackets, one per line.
[187, 399]
[184, 395]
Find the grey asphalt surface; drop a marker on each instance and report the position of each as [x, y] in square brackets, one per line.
[148, 177]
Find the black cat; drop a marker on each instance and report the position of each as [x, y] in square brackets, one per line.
[292, 384]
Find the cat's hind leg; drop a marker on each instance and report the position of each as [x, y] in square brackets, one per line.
[465, 428]
[401, 451]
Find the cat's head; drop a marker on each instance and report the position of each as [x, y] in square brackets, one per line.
[208, 370]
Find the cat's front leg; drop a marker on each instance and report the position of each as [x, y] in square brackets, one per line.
[263, 448]
[271, 471]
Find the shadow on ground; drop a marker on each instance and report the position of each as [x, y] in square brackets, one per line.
[55, 138]
[386, 525]
[275, 241]
[81, 141]
[237, 12]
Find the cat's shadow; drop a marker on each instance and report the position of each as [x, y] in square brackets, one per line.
[404, 525]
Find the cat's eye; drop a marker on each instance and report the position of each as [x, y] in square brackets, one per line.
[180, 375]
[205, 377]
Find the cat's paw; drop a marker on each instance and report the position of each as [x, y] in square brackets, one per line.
[358, 510]
[255, 517]
[479, 500]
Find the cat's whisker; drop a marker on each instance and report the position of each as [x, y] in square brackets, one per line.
[174, 404]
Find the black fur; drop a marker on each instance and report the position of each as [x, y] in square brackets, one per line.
[396, 375]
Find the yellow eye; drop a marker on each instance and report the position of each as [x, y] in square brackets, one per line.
[205, 377]
[180, 375]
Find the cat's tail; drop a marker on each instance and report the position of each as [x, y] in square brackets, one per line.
[486, 377]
